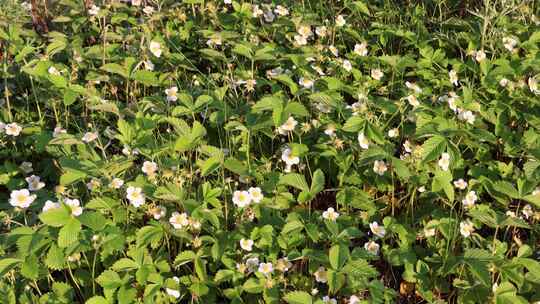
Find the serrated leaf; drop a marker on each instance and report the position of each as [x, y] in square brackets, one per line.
[298, 297]
[69, 233]
[56, 217]
[433, 148]
[295, 180]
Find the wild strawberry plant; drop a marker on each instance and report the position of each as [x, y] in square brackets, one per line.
[301, 152]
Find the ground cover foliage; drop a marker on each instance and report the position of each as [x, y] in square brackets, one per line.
[269, 152]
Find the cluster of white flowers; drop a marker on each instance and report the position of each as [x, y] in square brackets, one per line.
[244, 198]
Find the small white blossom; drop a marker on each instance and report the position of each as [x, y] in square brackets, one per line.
[330, 214]
[306, 83]
[527, 211]
[377, 74]
[466, 228]
[149, 168]
[444, 161]
[461, 184]
[135, 196]
[372, 247]
[393, 133]
[288, 126]
[470, 199]
[256, 194]
[377, 230]
[116, 183]
[13, 129]
[380, 167]
[347, 65]
[321, 31]
[50, 205]
[246, 245]
[266, 268]
[340, 21]
[155, 48]
[171, 94]
[360, 49]
[241, 198]
[74, 205]
[89, 137]
[149, 10]
[281, 10]
[179, 220]
[173, 292]
[94, 10]
[321, 275]
[34, 183]
[363, 141]
[453, 77]
[21, 198]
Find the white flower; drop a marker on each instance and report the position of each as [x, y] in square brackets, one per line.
[34, 183]
[288, 126]
[149, 168]
[94, 10]
[13, 129]
[354, 300]
[247, 245]
[135, 196]
[479, 56]
[149, 11]
[444, 161]
[321, 275]
[328, 300]
[173, 292]
[227, 1]
[377, 74]
[466, 116]
[179, 220]
[429, 232]
[413, 101]
[413, 86]
[50, 205]
[155, 48]
[503, 82]
[470, 199]
[256, 12]
[158, 212]
[536, 191]
[461, 184]
[53, 71]
[58, 131]
[89, 137]
[306, 83]
[171, 93]
[321, 31]
[21, 198]
[281, 10]
[116, 183]
[274, 72]
[377, 230]
[330, 130]
[527, 211]
[330, 214]
[510, 213]
[509, 43]
[407, 146]
[283, 264]
[148, 65]
[340, 21]
[372, 247]
[256, 194]
[334, 50]
[363, 141]
[136, 2]
[314, 291]
[266, 268]
[466, 228]
[392, 133]
[533, 85]
[379, 167]
[453, 77]
[289, 159]
[422, 189]
[304, 31]
[241, 198]
[347, 65]
[360, 49]
[74, 205]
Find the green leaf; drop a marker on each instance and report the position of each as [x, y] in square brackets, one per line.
[295, 226]
[298, 297]
[317, 183]
[433, 148]
[184, 257]
[338, 256]
[146, 77]
[97, 300]
[125, 264]
[56, 217]
[109, 280]
[443, 181]
[295, 180]
[69, 234]
[115, 68]
[354, 124]
[55, 258]
[8, 264]
[93, 220]
[30, 268]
